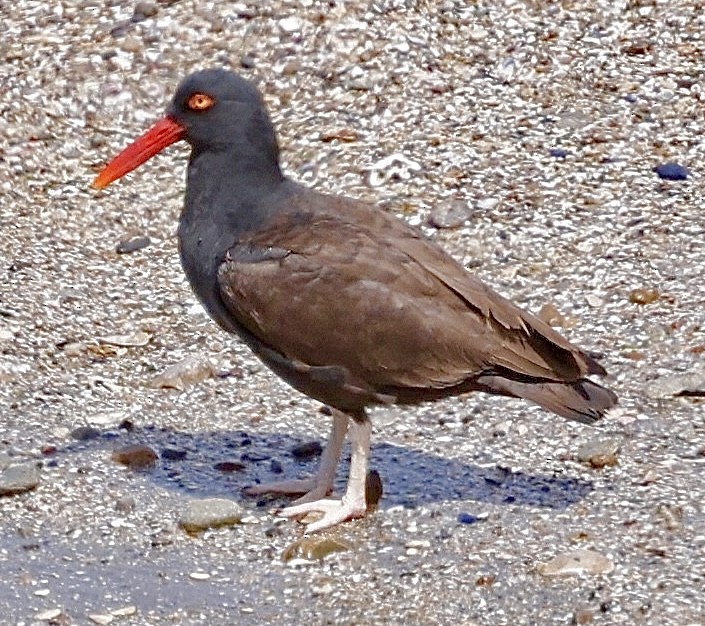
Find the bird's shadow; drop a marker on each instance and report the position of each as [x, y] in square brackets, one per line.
[222, 463]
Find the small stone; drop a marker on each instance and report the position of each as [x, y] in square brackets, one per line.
[552, 316]
[190, 371]
[172, 454]
[594, 301]
[125, 504]
[48, 615]
[346, 135]
[85, 433]
[644, 295]
[210, 513]
[467, 518]
[42, 593]
[290, 25]
[314, 548]
[599, 452]
[131, 44]
[576, 562]
[146, 8]
[16, 479]
[101, 619]
[683, 384]
[558, 153]
[247, 62]
[229, 466]
[672, 171]
[487, 204]
[450, 214]
[583, 616]
[393, 167]
[132, 245]
[199, 576]
[671, 514]
[5, 460]
[125, 611]
[73, 348]
[135, 456]
[140, 338]
[418, 544]
[373, 490]
[307, 450]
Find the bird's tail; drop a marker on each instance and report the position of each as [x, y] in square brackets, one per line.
[582, 400]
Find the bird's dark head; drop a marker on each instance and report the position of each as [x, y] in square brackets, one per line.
[212, 110]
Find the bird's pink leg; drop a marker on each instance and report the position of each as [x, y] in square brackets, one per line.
[320, 485]
[353, 504]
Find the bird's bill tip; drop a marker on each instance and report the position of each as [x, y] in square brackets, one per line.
[164, 133]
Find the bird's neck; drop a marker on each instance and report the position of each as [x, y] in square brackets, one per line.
[230, 186]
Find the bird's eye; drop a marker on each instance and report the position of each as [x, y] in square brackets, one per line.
[200, 102]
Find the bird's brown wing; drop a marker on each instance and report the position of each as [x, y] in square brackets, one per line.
[355, 288]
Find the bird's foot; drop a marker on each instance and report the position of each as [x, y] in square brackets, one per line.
[334, 511]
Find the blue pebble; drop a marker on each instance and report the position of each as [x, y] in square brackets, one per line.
[559, 153]
[467, 518]
[672, 171]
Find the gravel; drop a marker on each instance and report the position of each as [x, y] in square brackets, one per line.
[546, 120]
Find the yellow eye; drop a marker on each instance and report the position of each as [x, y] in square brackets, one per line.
[200, 102]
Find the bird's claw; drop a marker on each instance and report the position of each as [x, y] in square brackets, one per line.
[334, 512]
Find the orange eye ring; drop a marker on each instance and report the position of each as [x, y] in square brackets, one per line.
[200, 102]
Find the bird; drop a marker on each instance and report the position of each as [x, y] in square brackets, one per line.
[347, 303]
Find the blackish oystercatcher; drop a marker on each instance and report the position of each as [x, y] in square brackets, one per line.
[345, 302]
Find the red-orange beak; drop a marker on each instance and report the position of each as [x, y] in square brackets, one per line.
[165, 132]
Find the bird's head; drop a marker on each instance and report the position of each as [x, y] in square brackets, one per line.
[212, 110]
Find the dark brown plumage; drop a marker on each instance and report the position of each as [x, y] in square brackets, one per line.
[350, 305]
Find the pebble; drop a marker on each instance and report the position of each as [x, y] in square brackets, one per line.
[132, 245]
[99, 618]
[125, 611]
[558, 153]
[194, 369]
[373, 490]
[199, 576]
[583, 616]
[125, 504]
[146, 8]
[600, 452]
[645, 295]
[20, 478]
[137, 339]
[229, 466]
[135, 456]
[290, 25]
[173, 454]
[552, 316]
[672, 171]
[451, 213]
[346, 135]
[131, 44]
[487, 204]
[85, 433]
[393, 167]
[594, 301]
[314, 548]
[687, 383]
[467, 518]
[307, 450]
[48, 615]
[576, 562]
[210, 513]
[247, 62]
